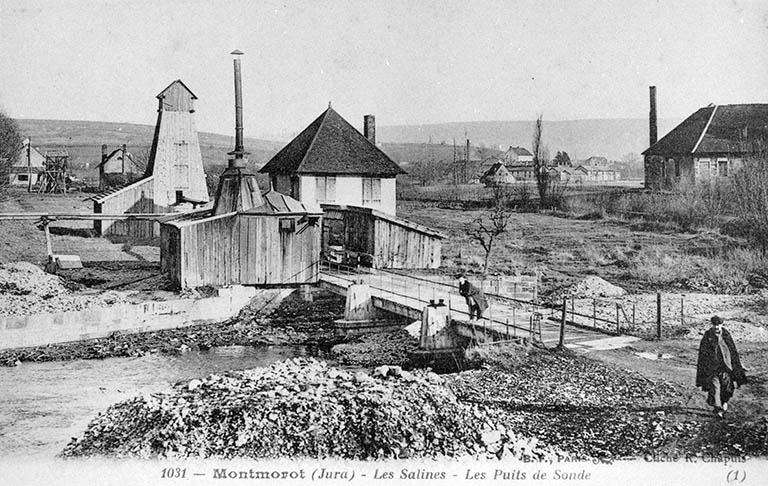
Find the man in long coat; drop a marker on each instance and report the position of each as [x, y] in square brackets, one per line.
[719, 369]
[474, 297]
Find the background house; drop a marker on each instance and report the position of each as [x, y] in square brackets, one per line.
[565, 174]
[118, 166]
[518, 156]
[597, 169]
[27, 165]
[331, 162]
[709, 144]
[497, 174]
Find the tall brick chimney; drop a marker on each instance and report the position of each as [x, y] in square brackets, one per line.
[369, 128]
[652, 122]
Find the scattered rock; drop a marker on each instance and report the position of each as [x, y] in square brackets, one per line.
[238, 414]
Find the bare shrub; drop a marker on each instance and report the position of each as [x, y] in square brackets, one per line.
[727, 272]
[486, 228]
[10, 144]
[750, 184]
[692, 207]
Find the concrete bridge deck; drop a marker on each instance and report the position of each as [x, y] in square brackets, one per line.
[407, 296]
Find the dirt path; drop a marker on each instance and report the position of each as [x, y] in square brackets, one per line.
[678, 366]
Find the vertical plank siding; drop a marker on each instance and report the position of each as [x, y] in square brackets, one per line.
[136, 198]
[240, 249]
[391, 242]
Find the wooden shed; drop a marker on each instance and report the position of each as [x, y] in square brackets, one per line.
[274, 245]
[379, 239]
[246, 238]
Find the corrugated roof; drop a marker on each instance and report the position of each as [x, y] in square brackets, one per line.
[715, 129]
[330, 145]
[276, 202]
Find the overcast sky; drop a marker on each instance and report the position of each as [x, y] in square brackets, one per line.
[404, 61]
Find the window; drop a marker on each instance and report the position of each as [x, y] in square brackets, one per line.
[371, 191]
[325, 189]
[181, 166]
[703, 169]
[722, 167]
[287, 225]
[675, 164]
[23, 177]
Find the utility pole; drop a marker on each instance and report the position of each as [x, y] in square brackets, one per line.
[29, 165]
[455, 178]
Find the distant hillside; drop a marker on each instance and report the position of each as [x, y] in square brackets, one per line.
[83, 140]
[580, 138]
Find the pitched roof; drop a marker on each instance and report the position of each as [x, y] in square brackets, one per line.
[117, 154]
[520, 151]
[493, 170]
[330, 145]
[167, 88]
[715, 129]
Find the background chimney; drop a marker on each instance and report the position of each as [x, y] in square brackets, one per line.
[369, 128]
[652, 122]
[466, 154]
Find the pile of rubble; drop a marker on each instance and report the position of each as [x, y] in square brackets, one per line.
[593, 287]
[376, 349]
[25, 289]
[303, 408]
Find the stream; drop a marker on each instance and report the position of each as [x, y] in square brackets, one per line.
[44, 405]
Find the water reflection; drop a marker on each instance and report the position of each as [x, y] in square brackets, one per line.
[44, 405]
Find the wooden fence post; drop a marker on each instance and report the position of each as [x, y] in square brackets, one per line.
[562, 324]
[682, 310]
[658, 315]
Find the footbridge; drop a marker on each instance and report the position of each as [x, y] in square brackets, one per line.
[506, 318]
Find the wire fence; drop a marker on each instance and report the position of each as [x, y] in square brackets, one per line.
[649, 316]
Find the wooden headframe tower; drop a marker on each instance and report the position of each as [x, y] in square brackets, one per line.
[174, 179]
[175, 160]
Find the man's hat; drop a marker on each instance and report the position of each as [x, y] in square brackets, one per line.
[716, 320]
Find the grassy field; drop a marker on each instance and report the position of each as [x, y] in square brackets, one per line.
[563, 249]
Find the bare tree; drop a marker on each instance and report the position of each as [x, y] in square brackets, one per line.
[540, 160]
[10, 144]
[426, 171]
[485, 229]
[141, 159]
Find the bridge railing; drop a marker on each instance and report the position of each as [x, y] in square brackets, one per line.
[426, 292]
